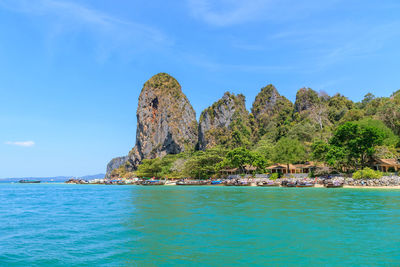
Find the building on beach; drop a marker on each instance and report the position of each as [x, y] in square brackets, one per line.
[293, 168]
[387, 165]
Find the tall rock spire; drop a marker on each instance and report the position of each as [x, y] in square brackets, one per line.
[166, 121]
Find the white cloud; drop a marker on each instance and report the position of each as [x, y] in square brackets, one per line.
[111, 34]
[21, 143]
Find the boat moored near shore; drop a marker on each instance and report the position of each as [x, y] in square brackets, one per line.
[29, 181]
[152, 182]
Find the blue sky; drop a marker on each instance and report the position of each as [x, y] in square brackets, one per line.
[71, 70]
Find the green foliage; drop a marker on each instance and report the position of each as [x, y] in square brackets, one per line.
[274, 176]
[303, 131]
[368, 98]
[390, 139]
[158, 167]
[240, 157]
[258, 161]
[389, 112]
[319, 150]
[272, 113]
[166, 82]
[203, 164]
[353, 146]
[367, 173]
[345, 135]
[239, 131]
[306, 98]
[289, 151]
[387, 152]
[265, 148]
[353, 115]
[150, 168]
[338, 107]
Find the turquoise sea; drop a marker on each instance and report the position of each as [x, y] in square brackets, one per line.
[98, 225]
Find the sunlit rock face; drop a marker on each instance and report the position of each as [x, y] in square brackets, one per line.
[166, 121]
[219, 120]
[115, 163]
[270, 111]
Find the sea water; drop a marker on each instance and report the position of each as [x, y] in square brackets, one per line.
[99, 225]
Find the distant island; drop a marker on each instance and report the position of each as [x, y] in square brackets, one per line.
[316, 135]
[52, 179]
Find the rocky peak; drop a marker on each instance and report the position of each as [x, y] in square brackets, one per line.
[270, 109]
[306, 98]
[219, 120]
[166, 121]
[268, 101]
[115, 163]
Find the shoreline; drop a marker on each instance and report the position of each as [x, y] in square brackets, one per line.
[396, 187]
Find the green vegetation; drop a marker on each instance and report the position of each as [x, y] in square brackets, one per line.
[367, 173]
[238, 132]
[274, 176]
[242, 157]
[289, 151]
[335, 131]
[272, 114]
[165, 82]
[355, 145]
[202, 164]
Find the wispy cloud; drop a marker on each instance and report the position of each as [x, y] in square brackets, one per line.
[233, 12]
[20, 143]
[110, 33]
[204, 61]
[227, 12]
[364, 43]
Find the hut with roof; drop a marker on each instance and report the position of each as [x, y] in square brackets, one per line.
[387, 165]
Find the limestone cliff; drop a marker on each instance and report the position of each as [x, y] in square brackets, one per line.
[271, 110]
[166, 121]
[306, 98]
[222, 121]
[115, 163]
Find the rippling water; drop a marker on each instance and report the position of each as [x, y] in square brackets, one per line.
[95, 225]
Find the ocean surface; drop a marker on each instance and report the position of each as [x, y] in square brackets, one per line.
[99, 225]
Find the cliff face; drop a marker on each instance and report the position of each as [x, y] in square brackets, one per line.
[166, 121]
[219, 121]
[115, 163]
[271, 110]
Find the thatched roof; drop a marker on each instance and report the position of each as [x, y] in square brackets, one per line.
[281, 166]
[388, 162]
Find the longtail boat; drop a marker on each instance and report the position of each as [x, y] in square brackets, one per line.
[267, 184]
[333, 185]
[29, 181]
[193, 182]
[305, 184]
[152, 182]
[288, 184]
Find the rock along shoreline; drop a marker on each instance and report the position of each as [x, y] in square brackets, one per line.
[389, 182]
